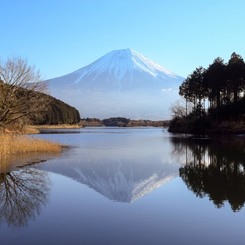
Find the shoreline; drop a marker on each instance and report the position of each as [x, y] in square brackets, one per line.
[222, 128]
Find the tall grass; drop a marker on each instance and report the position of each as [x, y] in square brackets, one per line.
[21, 144]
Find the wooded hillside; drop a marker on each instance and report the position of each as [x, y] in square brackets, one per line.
[23, 98]
[57, 112]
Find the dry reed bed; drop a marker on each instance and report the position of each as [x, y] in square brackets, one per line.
[22, 144]
[58, 126]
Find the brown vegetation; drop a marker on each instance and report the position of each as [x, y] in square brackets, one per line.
[55, 126]
[20, 144]
[19, 150]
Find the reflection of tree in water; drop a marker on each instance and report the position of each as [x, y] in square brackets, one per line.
[215, 168]
[22, 194]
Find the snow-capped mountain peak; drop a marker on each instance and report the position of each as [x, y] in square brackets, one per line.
[121, 62]
[122, 83]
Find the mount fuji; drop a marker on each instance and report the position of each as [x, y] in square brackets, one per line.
[122, 83]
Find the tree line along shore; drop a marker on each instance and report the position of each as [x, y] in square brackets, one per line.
[213, 99]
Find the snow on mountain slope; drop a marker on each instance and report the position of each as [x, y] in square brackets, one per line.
[120, 83]
[120, 63]
[120, 181]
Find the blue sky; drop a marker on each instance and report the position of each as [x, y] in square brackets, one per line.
[59, 36]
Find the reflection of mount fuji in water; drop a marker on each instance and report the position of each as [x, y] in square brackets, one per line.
[122, 180]
[125, 182]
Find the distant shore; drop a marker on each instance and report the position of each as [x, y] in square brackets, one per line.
[122, 122]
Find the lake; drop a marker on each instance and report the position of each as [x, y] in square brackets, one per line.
[128, 186]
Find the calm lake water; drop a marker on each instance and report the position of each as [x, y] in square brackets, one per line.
[128, 186]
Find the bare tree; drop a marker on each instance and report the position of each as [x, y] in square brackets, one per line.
[21, 92]
[180, 109]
